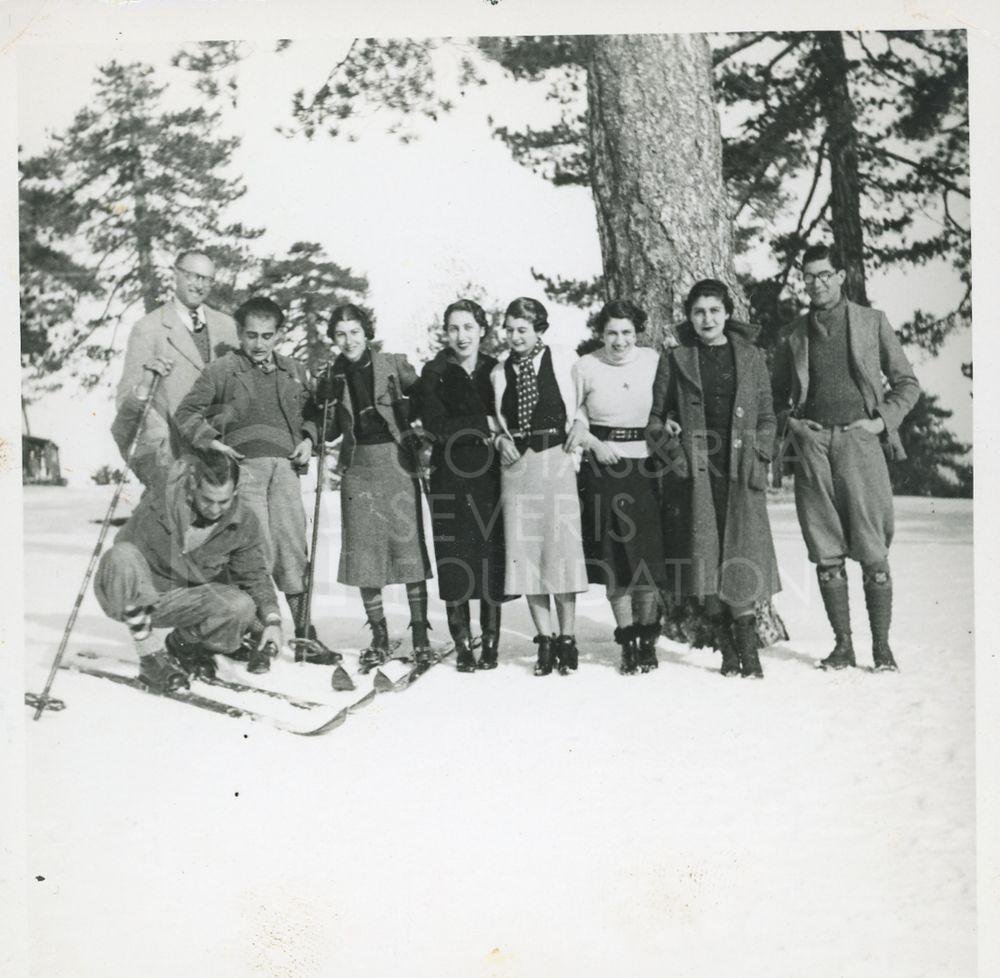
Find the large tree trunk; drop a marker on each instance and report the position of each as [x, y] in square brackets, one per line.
[656, 171]
[842, 151]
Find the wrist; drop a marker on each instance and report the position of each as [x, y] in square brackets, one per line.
[272, 618]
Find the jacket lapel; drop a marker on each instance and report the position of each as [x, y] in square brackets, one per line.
[180, 338]
[213, 323]
[243, 368]
[686, 358]
[741, 357]
[798, 342]
[862, 345]
[381, 394]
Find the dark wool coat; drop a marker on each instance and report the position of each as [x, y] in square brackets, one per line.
[742, 568]
[465, 478]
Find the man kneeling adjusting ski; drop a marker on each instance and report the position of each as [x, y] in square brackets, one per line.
[191, 558]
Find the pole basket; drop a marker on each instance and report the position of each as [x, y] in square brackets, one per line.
[39, 702]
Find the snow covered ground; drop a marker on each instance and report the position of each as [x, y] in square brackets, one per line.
[497, 824]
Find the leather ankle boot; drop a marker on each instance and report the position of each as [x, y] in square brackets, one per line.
[378, 648]
[646, 657]
[625, 637]
[545, 643]
[567, 655]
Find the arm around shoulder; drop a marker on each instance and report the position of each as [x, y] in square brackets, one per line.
[193, 412]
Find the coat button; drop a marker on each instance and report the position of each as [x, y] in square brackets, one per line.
[739, 412]
[737, 443]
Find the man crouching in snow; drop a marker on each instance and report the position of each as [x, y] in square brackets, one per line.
[191, 558]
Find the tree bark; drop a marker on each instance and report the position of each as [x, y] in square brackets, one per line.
[842, 152]
[656, 172]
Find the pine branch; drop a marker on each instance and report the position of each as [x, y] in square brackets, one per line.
[920, 166]
[723, 54]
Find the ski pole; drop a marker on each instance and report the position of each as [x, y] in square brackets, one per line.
[320, 479]
[41, 701]
[404, 426]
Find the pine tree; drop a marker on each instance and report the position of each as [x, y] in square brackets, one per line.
[126, 187]
[660, 215]
[307, 286]
[936, 460]
[874, 127]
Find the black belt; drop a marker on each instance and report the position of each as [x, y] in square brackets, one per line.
[538, 438]
[522, 434]
[617, 434]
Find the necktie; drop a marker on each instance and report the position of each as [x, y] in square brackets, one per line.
[200, 335]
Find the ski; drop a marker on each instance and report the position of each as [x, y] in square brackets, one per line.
[384, 684]
[333, 718]
[231, 684]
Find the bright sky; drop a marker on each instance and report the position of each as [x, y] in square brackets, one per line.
[419, 220]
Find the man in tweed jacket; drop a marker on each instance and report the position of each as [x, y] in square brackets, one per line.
[188, 334]
[843, 423]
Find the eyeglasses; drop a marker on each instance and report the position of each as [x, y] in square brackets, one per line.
[822, 277]
[196, 278]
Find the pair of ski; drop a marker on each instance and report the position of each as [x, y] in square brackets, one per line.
[316, 718]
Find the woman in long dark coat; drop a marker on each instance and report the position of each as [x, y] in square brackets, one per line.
[456, 399]
[381, 519]
[713, 391]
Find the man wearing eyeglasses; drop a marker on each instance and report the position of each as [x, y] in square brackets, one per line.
[843, 423]
[184, 335]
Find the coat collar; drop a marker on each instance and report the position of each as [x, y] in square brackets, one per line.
[444, 359]
[179, 335]
[175, 513]
[244, 363]
[686, 358]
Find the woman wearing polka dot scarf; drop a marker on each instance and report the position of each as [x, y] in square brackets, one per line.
[535, 405]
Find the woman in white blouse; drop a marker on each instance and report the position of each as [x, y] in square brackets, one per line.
[622, 540]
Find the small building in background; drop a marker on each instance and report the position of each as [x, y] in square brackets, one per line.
[40, 462]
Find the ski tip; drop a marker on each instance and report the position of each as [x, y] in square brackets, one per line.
[341, 680]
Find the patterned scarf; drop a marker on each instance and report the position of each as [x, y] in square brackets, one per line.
[527, 384]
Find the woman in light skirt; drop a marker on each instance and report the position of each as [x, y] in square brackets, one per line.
[534, 400]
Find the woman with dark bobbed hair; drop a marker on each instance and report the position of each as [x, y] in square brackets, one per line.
[534, 401]
[382, 525]
[622, 540]
[713, 391]
[456, 400]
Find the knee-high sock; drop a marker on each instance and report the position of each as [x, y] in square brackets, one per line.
[371, 598]
[416, 595]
